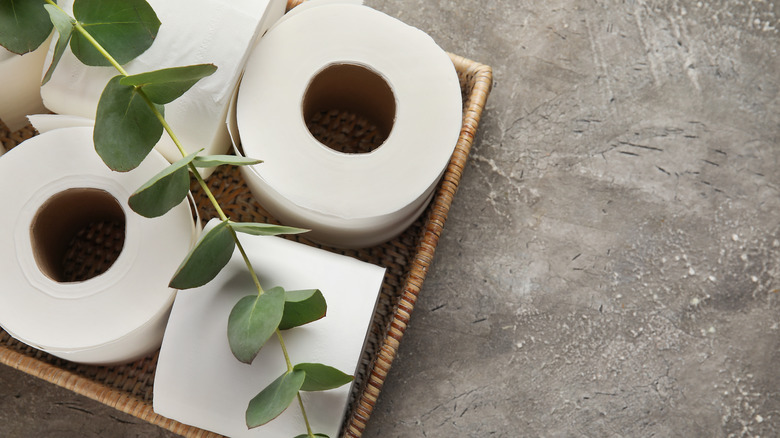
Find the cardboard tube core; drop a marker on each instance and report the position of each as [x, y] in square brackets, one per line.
[355, 89]
[67, 221]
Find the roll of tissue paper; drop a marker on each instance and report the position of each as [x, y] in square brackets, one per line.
[347, 57]
[52, 186]
[20, 76]
[193, 32]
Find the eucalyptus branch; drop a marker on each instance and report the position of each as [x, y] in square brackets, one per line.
[205, 188]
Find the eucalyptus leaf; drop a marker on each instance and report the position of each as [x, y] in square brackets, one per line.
[261, 229]
[274, 399]
[126, 129]
[218, 160]
[302, 307]
[207, 258]
[64, 25]
[321, 377]
[24, 25]
[166, 85]
[124, 28]
[164, 191]
[252, 321]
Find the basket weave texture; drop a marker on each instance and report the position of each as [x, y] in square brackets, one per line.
[407, 258]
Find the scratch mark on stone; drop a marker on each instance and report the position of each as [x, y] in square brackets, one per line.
[663, 170]
[711, 163]
[121, 420]
[76, 408]
[641, 146]
[563, 37]
[452, 399]
[629, 153]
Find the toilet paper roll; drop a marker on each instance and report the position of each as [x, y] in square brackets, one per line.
[347, 57]
[52, 186]
[20, 80]
[192, 32]
[199, 382]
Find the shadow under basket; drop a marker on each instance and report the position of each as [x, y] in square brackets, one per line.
[407, 258]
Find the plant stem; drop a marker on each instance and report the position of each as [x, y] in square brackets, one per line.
[251, 272]
[202, 184]
[284, 351]
[305, 418]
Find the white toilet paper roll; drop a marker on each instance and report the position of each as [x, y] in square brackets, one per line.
[52, 186]
[20, 79]
[347, 57]
[192, 32]
[199, 382]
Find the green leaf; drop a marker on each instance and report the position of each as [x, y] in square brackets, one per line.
[24, 25]
[203, 263]
[274, 399]
[166, 85]
[164, 191]
[64, 25]
[218, 160]
[260, 229]
[321, 377]
[124, 28]
[302, 307]
[252, 321]
[126, 129]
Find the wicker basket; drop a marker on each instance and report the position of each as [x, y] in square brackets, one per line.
[407, 258]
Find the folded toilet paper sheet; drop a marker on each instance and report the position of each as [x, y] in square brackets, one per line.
[198, 380]
[198, 31]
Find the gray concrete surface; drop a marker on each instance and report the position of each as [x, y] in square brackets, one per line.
[610, 264]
